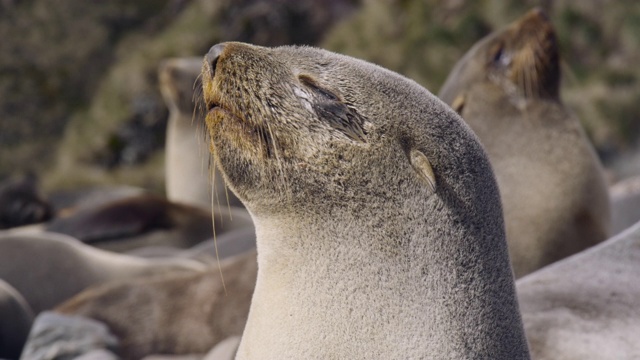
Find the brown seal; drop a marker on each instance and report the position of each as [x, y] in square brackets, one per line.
[552, 185]
[148, 220]
[378, 219]
[172, 314]
[48, 268]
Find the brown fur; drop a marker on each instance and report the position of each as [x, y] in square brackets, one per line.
[186, 153]
[551, 182]
[177, 314]
[48, 268]
[148, 220]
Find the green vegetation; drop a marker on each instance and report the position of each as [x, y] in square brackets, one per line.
[79, 71]
[599, 41]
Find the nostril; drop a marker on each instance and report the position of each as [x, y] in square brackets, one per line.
[212, 57]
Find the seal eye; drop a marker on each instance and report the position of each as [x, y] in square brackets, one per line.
[500, 56]
[334, 112]
[308, 82]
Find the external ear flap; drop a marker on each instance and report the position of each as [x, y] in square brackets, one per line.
[423, 167]
[458, 104]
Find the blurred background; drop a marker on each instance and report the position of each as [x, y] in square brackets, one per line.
[79, 97]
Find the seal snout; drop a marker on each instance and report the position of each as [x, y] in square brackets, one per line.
[212, 57]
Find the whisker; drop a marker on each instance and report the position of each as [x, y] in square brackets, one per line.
[215, 246]
[278, 160]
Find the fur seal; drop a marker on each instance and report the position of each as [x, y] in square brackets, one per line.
[21, 202]
[48, 268]
[588, 305]
[187, 179]
[16, 318]
[378, 219]
[148, 220]
[172, 314]
[553, 189]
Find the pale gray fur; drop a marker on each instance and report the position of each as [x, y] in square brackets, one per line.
[48, 268]
[553, 190]
[186, 151]
[586, 306]
[358, 257]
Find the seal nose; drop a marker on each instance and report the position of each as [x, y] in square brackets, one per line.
[212, 57]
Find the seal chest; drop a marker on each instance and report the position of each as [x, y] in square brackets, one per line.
[378, 220]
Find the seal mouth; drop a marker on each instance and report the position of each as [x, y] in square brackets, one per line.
[225, 119]
[212, 102]
[222, 118]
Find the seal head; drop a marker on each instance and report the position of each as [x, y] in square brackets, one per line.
[522, 60]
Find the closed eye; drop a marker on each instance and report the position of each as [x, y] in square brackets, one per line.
[311, 84]
[500, 55]
[336, 113]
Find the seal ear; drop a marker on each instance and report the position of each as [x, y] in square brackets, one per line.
[422, 165]
[458, 104]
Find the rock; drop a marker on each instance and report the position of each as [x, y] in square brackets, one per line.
[55, 336]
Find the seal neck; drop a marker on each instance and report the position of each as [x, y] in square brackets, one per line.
[373, 287]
